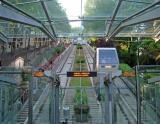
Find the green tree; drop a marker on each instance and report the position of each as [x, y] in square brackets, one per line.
[97, 8]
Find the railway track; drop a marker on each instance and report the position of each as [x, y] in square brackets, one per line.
[127, 102]
[58, 65]
[95, 109]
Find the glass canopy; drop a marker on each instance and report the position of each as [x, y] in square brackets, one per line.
[81, 17]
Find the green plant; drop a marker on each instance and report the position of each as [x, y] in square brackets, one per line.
[79, 46]
[25, 77]
[125, 67]
[80, 97]
[81, 102]
[80, 60]
[81, 107]
[25, 80]
[59, 49]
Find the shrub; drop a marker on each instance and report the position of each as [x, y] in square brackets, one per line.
[80, 98]
[125, 67]
[81, 107]
[26, 77]
[79, 46]
[80, 59]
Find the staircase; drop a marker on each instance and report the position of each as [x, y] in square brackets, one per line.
[24, 112]
[95, 109]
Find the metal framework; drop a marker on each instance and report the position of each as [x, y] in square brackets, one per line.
[3, 37]
[148, 14]
[114, 15]
[18, 16]
[48, 17]
[63, 35]
[11, 13]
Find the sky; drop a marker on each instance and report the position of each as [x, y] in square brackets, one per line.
[73, 9]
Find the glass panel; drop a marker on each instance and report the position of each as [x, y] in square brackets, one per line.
[148, 29]
[94, 26]
[150, 89]
[107, 57]
[17, 30]
[98, 13]
[33, 8]
[128, 8]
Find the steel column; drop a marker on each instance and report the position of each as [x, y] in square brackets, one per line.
[55, 101]
[108, 102]
[30, 104]
[138, 96]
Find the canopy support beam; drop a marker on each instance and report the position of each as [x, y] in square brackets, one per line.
[3, 37]
[114, 15]
[140, 17]
[18, 16]
[47, 15]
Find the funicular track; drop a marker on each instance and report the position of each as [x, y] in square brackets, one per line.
[95, 106]
[64, 64]
[42, 100]
[95, 109]
[127, 99]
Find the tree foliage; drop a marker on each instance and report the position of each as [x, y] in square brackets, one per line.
[149, 52]
[105, 8]
[36, 10]
[97, 8]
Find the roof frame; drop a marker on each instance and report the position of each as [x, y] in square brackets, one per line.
[114, 15]
[48, 17]
[20, 16]
[134, 1]
[3, 37]
[63, 35]
[139, 17]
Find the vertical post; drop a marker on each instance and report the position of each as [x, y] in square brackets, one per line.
[108, 101]
[52, 117]
[114, 103]
[156, 105]
[138, 87]
[0, 104]
[138, 97]
[115, 113]
[30, 112]
[80, 68]
[55, 101]
[110, 98]
[106, 105]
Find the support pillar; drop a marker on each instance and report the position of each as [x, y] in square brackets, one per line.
[55, 101]
[108, 102]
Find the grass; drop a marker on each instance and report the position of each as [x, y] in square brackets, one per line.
[75, 81]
